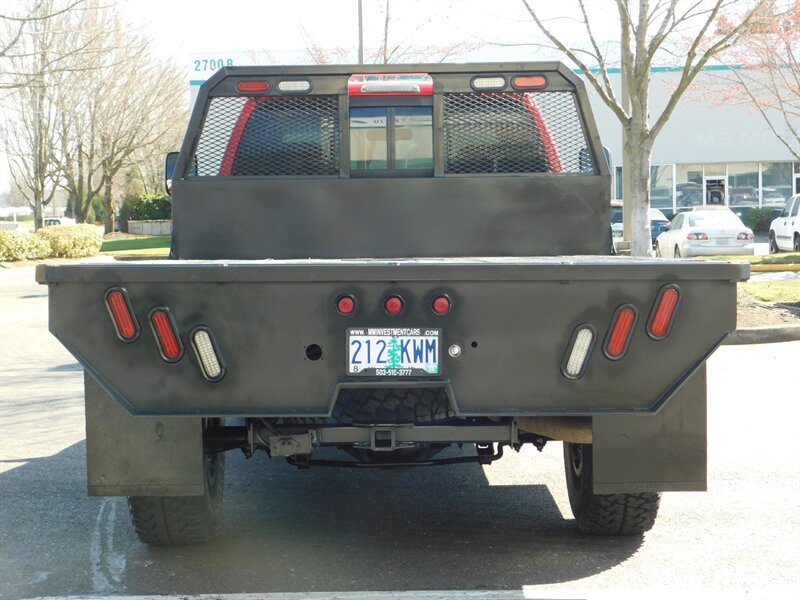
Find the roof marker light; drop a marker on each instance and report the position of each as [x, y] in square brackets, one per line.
[579, 351]
[166, 334]
[663, 314]
[296, 85]
[619, 334]
[249, 87]
[529, 82]
[205, 349]
[122, 316]
[488, 83]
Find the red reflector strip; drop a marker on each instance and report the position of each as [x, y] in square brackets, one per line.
[660, 322]
[619, 334]
[169, 344]
[122, 316]
[527, 82]
[252, 86]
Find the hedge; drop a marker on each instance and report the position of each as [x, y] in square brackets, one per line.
[759, 219]
[63, 241]
[150, 207]
[21, 245]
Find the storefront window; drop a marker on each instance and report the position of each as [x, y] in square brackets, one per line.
[661, 186]
[688, 185]
[743, 184]
[776, 183]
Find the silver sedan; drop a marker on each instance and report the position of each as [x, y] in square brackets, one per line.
[705, 232]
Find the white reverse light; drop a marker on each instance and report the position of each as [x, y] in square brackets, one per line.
[577, 359]
[207, 355]
[296, 85]
[488, 83]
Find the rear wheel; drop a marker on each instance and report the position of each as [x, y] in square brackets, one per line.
[604, 514]
[181, 520]
[773, 245]
[677, 252]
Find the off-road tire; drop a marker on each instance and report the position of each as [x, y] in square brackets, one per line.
[604, 514]
[181, 520]
[391, 405]
[773, 245]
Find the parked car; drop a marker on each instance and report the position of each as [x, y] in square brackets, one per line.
[658, 222]
[616, 220]
[784, 232]
[48, 221]
[705, 231]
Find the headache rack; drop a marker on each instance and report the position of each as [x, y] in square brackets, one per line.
[306, 121]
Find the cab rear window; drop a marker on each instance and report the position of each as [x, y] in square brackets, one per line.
[397, 138]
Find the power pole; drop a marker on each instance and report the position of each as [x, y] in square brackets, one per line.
[360, 34]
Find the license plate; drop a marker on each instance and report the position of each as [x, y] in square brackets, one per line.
[393, 352]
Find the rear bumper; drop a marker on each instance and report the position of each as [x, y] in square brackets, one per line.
[512, 318]
[712, 250]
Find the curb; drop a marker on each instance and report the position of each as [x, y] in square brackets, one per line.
[792, 267]
[763, 335]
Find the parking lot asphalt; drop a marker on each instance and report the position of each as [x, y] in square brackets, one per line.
[500, 531]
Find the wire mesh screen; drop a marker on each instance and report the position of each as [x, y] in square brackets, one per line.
[537, 132]
[270, 136]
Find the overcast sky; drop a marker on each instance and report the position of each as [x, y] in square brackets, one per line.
[182, 28]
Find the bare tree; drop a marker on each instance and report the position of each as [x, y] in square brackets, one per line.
[407, 50]
[649, 30]
[765, 73]
[122, 112]
[21, 62]
[29, 125]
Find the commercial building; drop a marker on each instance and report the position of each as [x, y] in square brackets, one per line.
[708, 153]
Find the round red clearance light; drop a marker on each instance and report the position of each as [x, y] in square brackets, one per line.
[393, 305]
[346, 305]
[441, 305]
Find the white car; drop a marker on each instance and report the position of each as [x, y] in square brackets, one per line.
[705, 231]
[48, 221]
[784, 232]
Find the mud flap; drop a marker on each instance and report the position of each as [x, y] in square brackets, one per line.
[140, 456]
[665, 451]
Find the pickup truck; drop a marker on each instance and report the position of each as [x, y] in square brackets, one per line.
[378, 267]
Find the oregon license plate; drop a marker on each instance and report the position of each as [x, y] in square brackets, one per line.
[393, 352]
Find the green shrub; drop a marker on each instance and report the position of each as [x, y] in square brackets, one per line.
[22, 245]
[152, 207]
[98, 211]
[72, 241]
[759, 219]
